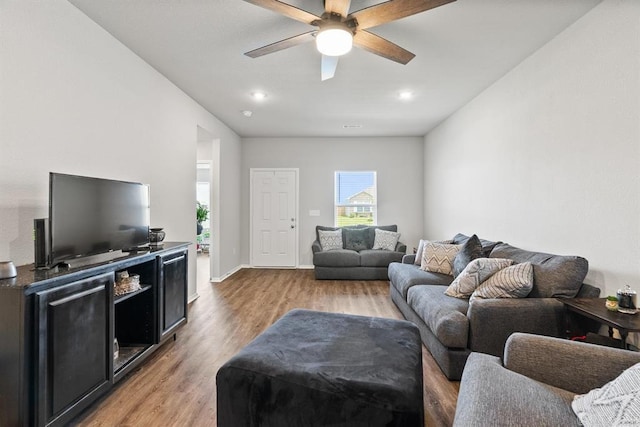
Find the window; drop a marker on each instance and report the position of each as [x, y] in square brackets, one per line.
[356, 198]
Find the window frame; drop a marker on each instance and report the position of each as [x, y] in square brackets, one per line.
[358, 208]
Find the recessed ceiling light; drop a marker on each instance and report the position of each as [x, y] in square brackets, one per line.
[258, 95]
[352, 126]
[247, 113]
[405, 95]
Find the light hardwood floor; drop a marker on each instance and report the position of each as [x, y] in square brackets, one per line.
[176, 386]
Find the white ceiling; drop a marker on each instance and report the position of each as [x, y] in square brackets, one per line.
[461, 48]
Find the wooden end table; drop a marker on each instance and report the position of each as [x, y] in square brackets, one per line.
[595, 309]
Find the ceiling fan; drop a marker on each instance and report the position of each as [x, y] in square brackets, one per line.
[337, 29]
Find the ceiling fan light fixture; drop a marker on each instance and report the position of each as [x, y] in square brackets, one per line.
[405, 95]
[334, 41]
[259, 95]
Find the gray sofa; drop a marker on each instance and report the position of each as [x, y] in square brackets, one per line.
[349, 264]
[535, 382]
[451, 328]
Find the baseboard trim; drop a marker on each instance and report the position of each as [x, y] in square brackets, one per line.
[241, 266]
[226, 275]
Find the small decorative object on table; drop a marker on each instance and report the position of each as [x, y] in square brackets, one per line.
[125, 283]
[627, 300]
[611, 303]
[7, 270]
[156, 236]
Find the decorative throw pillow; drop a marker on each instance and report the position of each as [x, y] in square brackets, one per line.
[476, 272]
[617, 403]
[515, 281]
[386, 240]
[355, 238]
[438, 257]
[470, 250]
[330, 240]
[418, 259]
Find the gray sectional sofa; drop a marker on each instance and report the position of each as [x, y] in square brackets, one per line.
[451, 328]
[356, 260]
[535, 382]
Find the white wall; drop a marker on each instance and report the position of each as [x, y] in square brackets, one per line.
[397, 161]
[75, 100]
[548, 158]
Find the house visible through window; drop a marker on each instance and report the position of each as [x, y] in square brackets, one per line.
[356, 198]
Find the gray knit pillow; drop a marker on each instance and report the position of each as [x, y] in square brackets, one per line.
[470, 250]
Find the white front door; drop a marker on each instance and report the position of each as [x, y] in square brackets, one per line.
[274, 241]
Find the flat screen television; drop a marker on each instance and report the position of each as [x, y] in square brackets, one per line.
[89, 216]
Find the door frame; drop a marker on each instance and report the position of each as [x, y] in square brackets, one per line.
[296, 239]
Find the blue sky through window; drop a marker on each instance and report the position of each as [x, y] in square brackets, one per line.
[350, 183]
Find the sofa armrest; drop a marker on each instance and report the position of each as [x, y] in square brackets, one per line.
[574, 366]
[492, 321]
[401, 247]
[408, 258]
[315, 247]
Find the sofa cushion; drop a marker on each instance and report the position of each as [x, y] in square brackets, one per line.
[445, 316]
[403, 276]
[385, 240]
[487, 245]
[553, 275]
[438, 257]
[330, 240]
[476, 272]
[377, 258]
[355, 238]
[514, 281]
[492, 395]
[470, 250]
[337, 258]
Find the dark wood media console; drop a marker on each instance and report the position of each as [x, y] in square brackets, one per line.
[57, 331]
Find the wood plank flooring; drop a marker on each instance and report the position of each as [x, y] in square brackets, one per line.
[176, 386]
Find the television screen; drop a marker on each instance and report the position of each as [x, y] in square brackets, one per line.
[90, 216]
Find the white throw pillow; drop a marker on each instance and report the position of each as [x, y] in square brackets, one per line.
[617, 403]
[438, 257]
[386, 240]
[418, 259]
[330, 240]
[515, 281]
[476, 272]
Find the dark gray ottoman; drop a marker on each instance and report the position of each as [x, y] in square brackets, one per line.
[316, 369]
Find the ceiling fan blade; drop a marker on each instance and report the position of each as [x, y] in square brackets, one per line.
[282, 44]
[286, 10]
[341, 7]
[328, 67]
[393, 10]
[383, 47]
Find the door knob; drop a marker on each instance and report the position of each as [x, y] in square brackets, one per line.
[293, 226]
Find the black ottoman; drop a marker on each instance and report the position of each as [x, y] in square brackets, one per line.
[315, 369]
